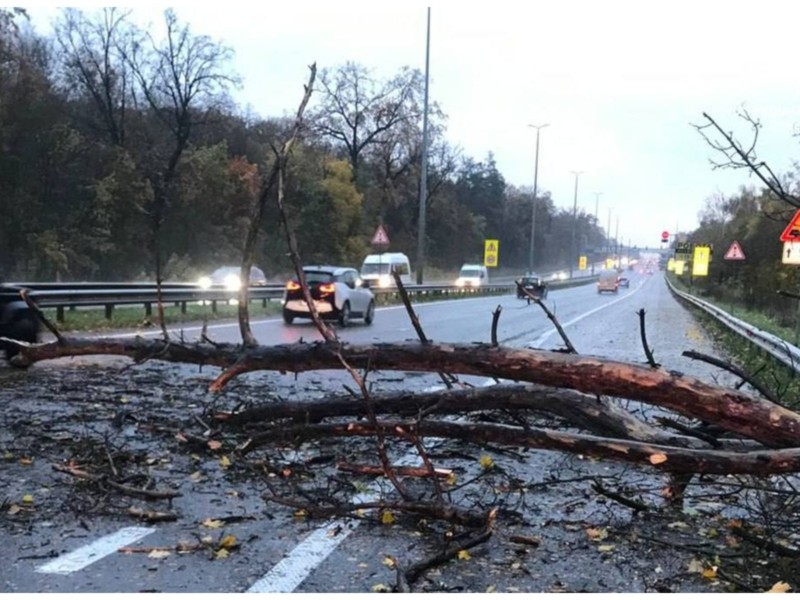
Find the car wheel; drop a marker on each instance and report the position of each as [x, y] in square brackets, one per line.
[344, 315]
[24, 330]
[369, 317]
[287, 318]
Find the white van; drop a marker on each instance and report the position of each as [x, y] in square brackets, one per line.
[377, 269]
[472, 276]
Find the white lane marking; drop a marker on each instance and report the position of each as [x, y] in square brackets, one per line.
[537, 343]
[86, 555]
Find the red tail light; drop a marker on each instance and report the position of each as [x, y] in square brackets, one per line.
[292, 286]
[327, 288]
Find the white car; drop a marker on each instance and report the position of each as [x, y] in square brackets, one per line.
[338, 293]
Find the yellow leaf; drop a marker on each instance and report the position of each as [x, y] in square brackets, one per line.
[300, 514]
[379, 587]
[159, 554]
[27, 499]
[779, 588]
[196, 476]
[605, 548]
[214, 444]
[710, 573]
[26, 462]
[212, 523]
[225, 462]
[486, 461]
[8, 455]
[229, 541]
[597, 533]
[464, 555]
[657, 459]
[387, 518]
[390, 562]
[221, 553]
[451, 479]
[13, 509]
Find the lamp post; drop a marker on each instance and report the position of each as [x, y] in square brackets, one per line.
[596, 221]
[573, 254]
[423, 183]
[535, 189]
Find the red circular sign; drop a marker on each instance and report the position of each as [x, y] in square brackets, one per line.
[665, 235]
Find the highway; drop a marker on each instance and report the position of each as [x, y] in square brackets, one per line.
[66, 545]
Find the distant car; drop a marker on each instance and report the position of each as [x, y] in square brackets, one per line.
[230, 278]
[559, 276]
[338, 293]
[472, 275]
[608, 281]
[624, 282]
[17, 320]
[534, 284]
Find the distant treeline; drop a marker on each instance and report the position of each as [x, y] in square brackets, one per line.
[121, 149]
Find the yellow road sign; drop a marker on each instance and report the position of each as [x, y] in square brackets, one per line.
[702, 256]
[491, 251]
[582, 263]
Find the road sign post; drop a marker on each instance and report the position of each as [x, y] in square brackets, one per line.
[491, 251]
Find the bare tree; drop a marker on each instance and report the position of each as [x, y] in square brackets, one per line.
[737, 155]
[184, 81]
[359, 111]
[93, 64]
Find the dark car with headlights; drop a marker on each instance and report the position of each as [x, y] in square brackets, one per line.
[17, 320]
[534, 285]
[338, 294]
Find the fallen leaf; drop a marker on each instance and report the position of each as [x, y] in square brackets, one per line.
[486, 461]
[221, 553]
[229, 541]
[451, 479]
[159, 554]
[13, 509]
[597, 533]
[605, 548]
[8, 456]
[26, 462]
[657, 459]
[207, 539]
[464, 555]
[212, 523]
[225, 462]
[491, 589]
[387, 518]
[214, 444]
[380, 587]
[779, 588]
[695, 566]
[27, 499]
[300, 514]
[390, 562]
[196, 476]
[710, 572]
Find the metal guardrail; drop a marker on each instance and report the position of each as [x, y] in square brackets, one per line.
[63, 296]
[787, 353]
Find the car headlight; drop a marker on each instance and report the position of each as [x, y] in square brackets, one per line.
[460, 282]
[204, 282]
[385, 281]
[232, 283]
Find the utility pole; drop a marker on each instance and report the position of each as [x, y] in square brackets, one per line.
[596, 221]
[535, 190]
[608, 236]
[573, 258]
[423, 183]
[616, 242]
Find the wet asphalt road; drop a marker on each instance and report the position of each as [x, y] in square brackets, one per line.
[320, 557]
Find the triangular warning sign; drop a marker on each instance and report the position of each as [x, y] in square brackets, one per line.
[792, 231]
[380, 238]
[734, 252]
[490, 247]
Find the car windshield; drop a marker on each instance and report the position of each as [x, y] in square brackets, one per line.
[313, 277]
[375, 268]
[223, 272]
[470, 273]
[530, 281]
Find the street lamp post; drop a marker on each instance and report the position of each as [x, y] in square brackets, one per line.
[573, 253]
[596, 221]
[423, 179]
[535, 189]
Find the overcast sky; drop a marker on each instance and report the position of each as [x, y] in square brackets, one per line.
[618, 82]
